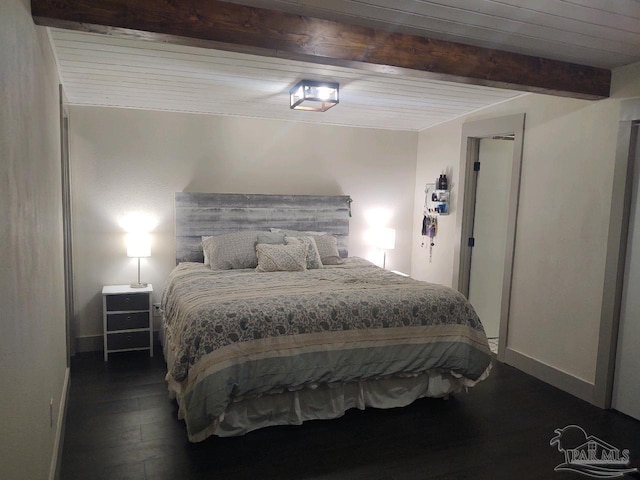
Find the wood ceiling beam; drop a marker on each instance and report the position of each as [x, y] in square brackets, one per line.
[228, 26]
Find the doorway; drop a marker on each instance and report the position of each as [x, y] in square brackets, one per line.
[67, 225]
[613, 333]
[485, 240]
[626, 388]
[493, 178]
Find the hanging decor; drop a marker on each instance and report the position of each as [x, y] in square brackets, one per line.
[429, 230]
[429, 219]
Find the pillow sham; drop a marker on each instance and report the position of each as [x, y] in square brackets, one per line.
[327, 244]
[281, 258]
[271, 237]
[313, 257]
[231, 250]
[204, 251]
[328, 249]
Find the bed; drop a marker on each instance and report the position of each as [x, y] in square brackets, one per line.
[287, 340]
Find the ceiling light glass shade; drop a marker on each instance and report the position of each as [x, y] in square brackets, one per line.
[314, 96]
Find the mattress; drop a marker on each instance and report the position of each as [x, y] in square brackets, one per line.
[238, 339]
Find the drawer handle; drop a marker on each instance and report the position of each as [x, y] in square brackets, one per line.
[126, 299]
[128, 317]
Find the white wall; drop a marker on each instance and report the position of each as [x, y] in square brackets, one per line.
[567, 175]
[132, 160]
[32, 329]
[438, 148]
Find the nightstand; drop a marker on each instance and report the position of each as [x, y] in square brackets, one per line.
[127, 319]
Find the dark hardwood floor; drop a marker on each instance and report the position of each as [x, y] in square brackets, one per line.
[121, 425]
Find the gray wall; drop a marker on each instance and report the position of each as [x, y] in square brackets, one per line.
[32, 330]
[127, 161]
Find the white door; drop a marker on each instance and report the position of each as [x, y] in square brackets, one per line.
[626, 385]
[490, 231]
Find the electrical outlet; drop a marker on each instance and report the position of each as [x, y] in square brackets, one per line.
[156, 309]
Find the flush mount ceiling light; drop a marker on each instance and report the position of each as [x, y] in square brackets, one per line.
[314, 96]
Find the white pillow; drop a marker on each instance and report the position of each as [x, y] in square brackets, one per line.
[313, 257]
[281, 258]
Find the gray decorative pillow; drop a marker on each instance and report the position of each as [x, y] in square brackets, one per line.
[276, 238]
[327, 244]
[281, 258]
[313, 257]
[232, 250]
[328, 249]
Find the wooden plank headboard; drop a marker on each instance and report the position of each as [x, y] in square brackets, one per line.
[199, 214]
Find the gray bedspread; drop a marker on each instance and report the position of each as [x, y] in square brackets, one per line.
[238, 333]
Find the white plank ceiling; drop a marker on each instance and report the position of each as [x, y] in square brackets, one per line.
[106, 71]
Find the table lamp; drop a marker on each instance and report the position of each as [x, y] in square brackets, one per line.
[138, 246]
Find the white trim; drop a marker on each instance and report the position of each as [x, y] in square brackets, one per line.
[551, 375]
[630, 109]
[56, 457]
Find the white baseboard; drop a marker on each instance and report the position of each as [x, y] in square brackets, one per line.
[56, 457]
[548, 374]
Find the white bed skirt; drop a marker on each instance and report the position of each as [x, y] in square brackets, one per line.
[325, 401]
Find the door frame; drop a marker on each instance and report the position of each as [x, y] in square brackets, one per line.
[67, 227]
[616, 252]
[472, 133]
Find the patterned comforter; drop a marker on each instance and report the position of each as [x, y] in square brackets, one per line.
[239, 333]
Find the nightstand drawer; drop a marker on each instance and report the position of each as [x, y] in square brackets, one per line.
[122, 303]
[127, 321]
[118, 341]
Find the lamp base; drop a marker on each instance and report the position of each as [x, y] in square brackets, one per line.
[139, 285]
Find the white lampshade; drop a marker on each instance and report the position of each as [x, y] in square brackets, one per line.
[138, 245]
[384, 238]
